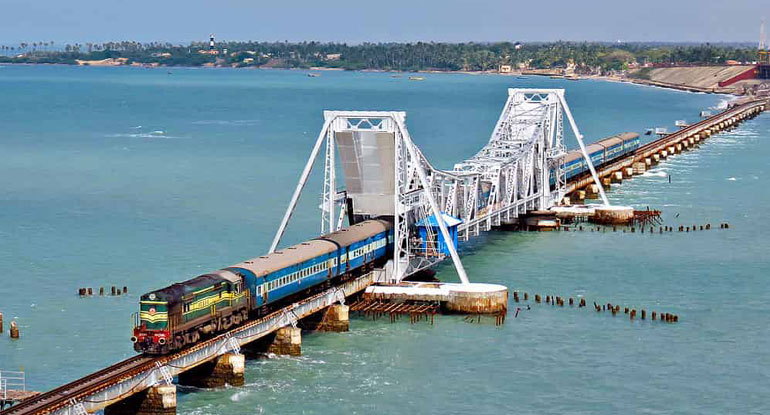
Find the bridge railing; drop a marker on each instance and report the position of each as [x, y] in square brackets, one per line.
[12, 380]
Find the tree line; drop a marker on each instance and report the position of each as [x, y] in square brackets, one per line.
[584, 56]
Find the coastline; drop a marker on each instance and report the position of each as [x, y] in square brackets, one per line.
[540, 72]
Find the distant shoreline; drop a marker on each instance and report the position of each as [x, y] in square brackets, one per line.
[542, 73]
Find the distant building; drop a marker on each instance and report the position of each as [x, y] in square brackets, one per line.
[333, 56]
[248, 60]
[505, 68]
[211, 42]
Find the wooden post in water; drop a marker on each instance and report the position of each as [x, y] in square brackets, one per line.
[14, 330]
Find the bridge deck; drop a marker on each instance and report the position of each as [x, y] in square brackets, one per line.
[655, 146]
[123, 379]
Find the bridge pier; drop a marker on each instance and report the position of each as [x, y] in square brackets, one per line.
[335, 318]
[227, 369]
[640, 167]
[617, 177]
[287, 341]
[592, 191]
[579, 196]
[157, 400]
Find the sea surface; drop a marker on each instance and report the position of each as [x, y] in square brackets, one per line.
[143, 177]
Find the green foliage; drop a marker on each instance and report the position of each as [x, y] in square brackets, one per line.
[586, 56]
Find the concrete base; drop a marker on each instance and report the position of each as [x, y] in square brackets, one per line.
[613, 215]
[227, 369]
[158, 400]
[539, 220]
[628, 172]
[287, 341]
[592, 191]
[606, 182]
[578, 195]
[335, 318]
[616, 177]
[640, 167]
[455, 298]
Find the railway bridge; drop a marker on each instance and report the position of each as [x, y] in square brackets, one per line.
[384, 174]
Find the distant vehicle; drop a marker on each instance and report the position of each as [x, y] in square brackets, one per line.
[313, 75]
[416, 78]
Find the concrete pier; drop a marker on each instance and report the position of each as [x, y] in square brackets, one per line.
[592, 191]
[157, 400]
[617, 177]
[613, 215]
[227, 369]
[336, 318]
[286, 341]
[640, 167]
[578, 196]
[454, 298]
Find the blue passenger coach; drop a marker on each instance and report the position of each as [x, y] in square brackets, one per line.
[600, 152]
[227, 297]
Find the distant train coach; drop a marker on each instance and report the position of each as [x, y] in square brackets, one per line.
[181, 314]
[600, 152]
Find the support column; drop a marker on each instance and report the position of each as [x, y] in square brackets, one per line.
[157, 400]
[227, 369]
[287, 341]
[578, 196]
[334, 318]
[592, 191]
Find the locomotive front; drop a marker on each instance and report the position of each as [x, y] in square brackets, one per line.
[151, 331]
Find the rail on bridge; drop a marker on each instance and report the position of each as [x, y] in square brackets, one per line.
[520, 169]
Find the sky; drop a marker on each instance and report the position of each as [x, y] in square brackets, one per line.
[356, 21]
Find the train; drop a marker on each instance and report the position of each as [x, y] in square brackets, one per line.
[184, 313]
[600, 152]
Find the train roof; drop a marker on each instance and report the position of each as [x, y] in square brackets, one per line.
[176, 291]
[358, 232]
[598, 145]
[286, 257]
[592, 148]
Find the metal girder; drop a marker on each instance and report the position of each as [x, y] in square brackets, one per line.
[375, 144]
[521, 168]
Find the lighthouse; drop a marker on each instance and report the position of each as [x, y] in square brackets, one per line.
[211, 41]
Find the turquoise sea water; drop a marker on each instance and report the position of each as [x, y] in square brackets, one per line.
[137, 177]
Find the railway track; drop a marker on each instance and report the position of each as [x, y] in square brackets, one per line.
[81, 389]
[653, 146]
[61, 396]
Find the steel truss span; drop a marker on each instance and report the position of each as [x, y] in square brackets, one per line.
[385, 174]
